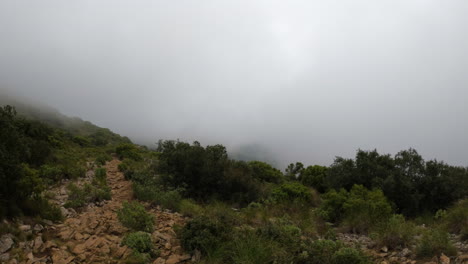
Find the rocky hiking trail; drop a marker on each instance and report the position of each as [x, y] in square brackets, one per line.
[95, 234]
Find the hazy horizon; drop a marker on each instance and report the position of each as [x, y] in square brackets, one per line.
[304, 80]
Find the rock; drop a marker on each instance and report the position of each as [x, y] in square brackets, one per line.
[38, 228]
[444, 259]
[47, 222]
[24, 228]
[384, 262]
[196, 255]
[463, 259]
[13, 261]
[38, 243]
[405, 252]
[159, 261]
[6, 242]
[384, 249]
[64, 211]
[431, 262]
[4, 257]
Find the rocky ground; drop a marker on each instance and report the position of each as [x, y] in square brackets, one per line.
[383, 255]
[92, 235]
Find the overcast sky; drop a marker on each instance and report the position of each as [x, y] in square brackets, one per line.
[309, 80]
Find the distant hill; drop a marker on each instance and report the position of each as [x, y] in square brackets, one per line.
[76, 126]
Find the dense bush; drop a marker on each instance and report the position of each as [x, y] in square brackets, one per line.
[395, 232]
[314, 176]
[455, 219]
[413, 185]
[292, 192]
[154, 194]
[265, 172]
[204, 234]
[103, 158]
[134, 216]
[138, 241]
[358, 210]
[435, 242]
[128, 151]
[331, 252]
[89, 193]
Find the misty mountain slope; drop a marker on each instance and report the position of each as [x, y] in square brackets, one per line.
[76, 126]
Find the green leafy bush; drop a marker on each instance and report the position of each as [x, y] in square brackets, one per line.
[204, 234]
[265, 172]
[128, 151]
[359, 210]
[331, 252]
[96, 192]
[455, 219]
[134, 216]
[190, 208]
[103, 158]
[314, 176]
[139, 241]
[281, 230]
[51, 173]
[364, 209]
[347, 255]
[395, 232]
[292, 192]
[250, 248]
[435, 242]
[154, 194]
[331, 208]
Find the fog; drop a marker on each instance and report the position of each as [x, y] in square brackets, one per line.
[302, 80]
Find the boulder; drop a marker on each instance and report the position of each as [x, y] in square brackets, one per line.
[6, 242]
[444, 259]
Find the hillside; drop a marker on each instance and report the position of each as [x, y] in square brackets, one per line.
[76, 193]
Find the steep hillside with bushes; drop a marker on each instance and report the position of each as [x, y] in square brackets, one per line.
[184, 203]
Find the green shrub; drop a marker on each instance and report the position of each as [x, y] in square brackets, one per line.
[321, 251]
[154, 194]
[138, 258]
[348, 255]
[134, 216]
[139, 241]
[39, 206]
[364, 209]
[247, 247]
[204, 234]
[51, 173]
[123, 167]
[265, 172]
[77, 196]
[331, 208]
[395, 232]
[95, 192]
[190, 208]
[314, 176]
[331, 252]
[128, 151]
[100, 175]
[281, 230]
[103, 158]
[292, 192]
[455, 219]
[435, 242]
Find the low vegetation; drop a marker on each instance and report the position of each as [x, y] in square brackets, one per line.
[134, 216]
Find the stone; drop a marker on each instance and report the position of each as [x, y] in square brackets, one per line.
[38, 243]
[6, 242]
[4, 257]
[444, 259]
[24, 228]
[64, 211]
[405, 252]
[384, 249]
[462, 259]
[159, 261]
[47, 222]
[38, 228]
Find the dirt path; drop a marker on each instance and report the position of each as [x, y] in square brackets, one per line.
[94, 235]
